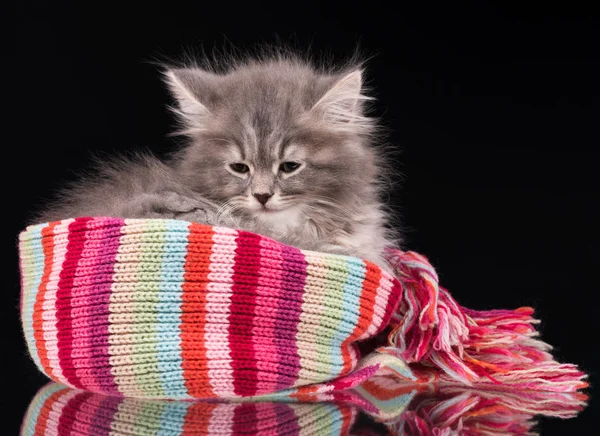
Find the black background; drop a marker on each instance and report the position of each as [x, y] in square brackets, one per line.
[495, 109]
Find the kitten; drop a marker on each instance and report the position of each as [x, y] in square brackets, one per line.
[275, 147]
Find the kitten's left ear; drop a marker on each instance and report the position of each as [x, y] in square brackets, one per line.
[342, 103]
[194, 89]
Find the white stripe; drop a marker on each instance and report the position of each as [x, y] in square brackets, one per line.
[306, 326]
[384, 287]
[218, 296]
[125, 356]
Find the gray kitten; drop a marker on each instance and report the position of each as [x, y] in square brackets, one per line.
[275, 147]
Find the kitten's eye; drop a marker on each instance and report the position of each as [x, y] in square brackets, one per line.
[289, 167]
[239, 168]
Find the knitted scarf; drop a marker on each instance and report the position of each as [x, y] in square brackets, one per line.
[167, 309]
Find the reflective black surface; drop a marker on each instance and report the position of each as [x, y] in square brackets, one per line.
[381, 406]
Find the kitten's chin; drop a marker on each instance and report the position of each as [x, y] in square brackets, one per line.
[279, 219]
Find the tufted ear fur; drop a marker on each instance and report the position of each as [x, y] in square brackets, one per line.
[342, 104]
[195, 90]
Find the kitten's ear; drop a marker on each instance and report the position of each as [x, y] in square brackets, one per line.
[194, 89]
[342, 103]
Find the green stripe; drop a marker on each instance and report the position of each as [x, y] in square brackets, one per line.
[152, 242]
[335, 302]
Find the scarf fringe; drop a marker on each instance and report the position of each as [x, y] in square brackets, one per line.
[444, 341]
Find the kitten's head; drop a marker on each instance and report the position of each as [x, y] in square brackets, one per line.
[276, 139]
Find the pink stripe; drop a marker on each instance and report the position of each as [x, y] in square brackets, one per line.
[54, 414]
[86, 294]
[294, 277]
[218, 295]
[269, 294]
[63, 313]
[83, 344]
[86, 410]
[103, 380]
[243, 299]
[68, 422]
[221, 419]
[267, 422]
[58, 239]
[394, 299]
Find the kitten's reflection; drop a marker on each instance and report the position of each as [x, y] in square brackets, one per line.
[392, 408]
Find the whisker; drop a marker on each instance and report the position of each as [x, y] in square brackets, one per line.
[226, 209]
[331, 204]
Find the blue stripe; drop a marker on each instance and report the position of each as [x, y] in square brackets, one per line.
[173, 418]
[336, 418]
[172, 272]
[35, 248]
[349, 304]
[33, 412]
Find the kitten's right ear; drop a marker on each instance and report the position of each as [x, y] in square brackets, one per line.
[194, 89]
[342, 104]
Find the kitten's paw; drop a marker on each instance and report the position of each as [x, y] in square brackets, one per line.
[334, 249]
[196, 216]
[178, 203]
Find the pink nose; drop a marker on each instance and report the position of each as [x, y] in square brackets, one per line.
[263, 198]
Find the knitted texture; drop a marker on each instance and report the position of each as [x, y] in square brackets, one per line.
[169, 309]
[177, 310]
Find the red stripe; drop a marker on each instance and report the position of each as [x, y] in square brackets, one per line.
[348, 416]
[244, 360]
[193, 316]
[245, 418]
[393, 302]
[197, 419]
[38, 331]
[67, 421]
[42, 419]
[388, 391]
[370, 286]
[305, 393]
[64, 323]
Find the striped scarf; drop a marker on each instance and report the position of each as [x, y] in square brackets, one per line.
[167, 309]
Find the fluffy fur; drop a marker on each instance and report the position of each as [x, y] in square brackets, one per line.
[276, 131]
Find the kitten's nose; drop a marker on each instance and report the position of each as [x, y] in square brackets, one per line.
[263, 198]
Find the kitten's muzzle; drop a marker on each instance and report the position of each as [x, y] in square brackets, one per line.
[262, 198]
